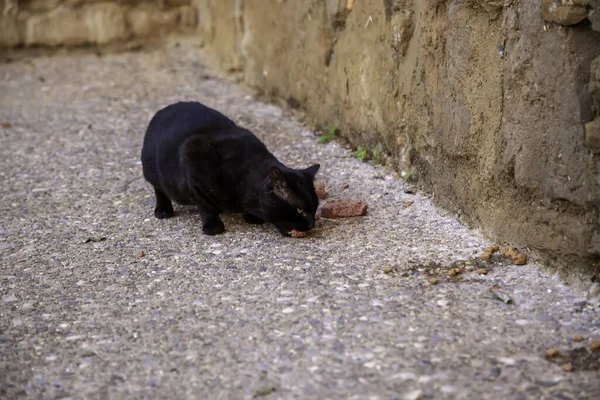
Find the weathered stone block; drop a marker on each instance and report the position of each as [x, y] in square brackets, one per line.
[565, 12]
[592, 135]
[9, 32]
[97, 23]
[147, 19]
[76, 22]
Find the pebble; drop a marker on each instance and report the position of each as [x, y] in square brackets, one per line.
[10, 299]
[448, 389]
[414, 395]
[442, 302]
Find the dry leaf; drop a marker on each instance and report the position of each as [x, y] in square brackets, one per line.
[568, 367]
[509, 252]
[492, 249]
[520, 259]
[551, 353]
[95, 239]
[501, 295]
[320, 190]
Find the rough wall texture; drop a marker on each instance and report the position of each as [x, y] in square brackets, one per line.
[486, 100]
[78, 22]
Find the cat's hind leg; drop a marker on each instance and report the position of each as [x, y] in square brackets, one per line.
[252, 219]
[164, 207]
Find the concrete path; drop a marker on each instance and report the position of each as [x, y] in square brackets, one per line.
[98, 299]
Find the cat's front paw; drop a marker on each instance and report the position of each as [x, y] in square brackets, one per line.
[163, 213]
[284, 230]
[213, 228]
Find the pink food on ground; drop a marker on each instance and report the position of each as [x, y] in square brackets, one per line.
[297, 234]
[344, 209]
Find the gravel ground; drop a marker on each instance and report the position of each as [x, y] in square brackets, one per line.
[98, 299]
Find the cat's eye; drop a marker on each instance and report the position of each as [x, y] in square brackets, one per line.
[300, 211]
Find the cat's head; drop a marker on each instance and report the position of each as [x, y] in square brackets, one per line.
[289, 200]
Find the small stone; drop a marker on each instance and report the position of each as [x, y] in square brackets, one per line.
[448, 389]
[595, 345]
[486, 256]
[406, 376]
[454, 272]
[141, 254]
[407, 204]
[551, 353]
[443, 302]
[414, 395]
[287, 310]
[10, 299]
[567, 367]
[433, 281]
[388, 270]
[507, 360]
[6, 125]
[482, 271]
[73, 338]
[578, 338]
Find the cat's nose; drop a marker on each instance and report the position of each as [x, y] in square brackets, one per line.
[311, 223]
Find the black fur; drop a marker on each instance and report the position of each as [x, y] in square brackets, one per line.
[195, 155]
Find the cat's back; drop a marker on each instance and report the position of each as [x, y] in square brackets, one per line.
[186, 118]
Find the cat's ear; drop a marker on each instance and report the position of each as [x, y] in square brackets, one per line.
[312, 170]
[276, 178]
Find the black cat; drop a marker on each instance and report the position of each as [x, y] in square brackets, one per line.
[195, 155]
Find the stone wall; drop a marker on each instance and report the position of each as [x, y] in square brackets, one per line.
[78, 22]
[485, 101]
